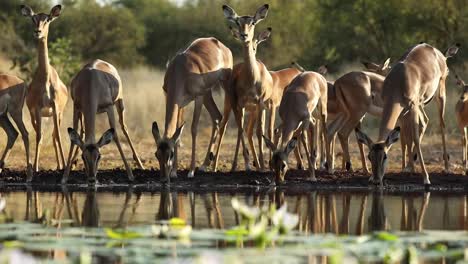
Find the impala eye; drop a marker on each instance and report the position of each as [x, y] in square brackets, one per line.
[368, 156]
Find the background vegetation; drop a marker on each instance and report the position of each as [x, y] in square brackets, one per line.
[335, 32]
[139, 36]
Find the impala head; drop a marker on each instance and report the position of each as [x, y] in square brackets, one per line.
[461, 83]
[382, 69]
[257, 40]
[41, 21]
[165, 152]
[245, 24]
[90, 152]
[279, 159]
[378, 152]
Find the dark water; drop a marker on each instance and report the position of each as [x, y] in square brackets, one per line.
[320, 212]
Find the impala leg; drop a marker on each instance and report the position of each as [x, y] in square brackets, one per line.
[345, 131]
[465, 149]
[417, 142]
[403, 148]
[56, 149]
[222, 129]
[344, 141]
[111, 116]
[215, 120]
[441, 99]
[180, 120]
[57, 123]
[271, 124]
[298, 155]
[365, 168]
[75, 155]
[195, 120]
[239, 116]
[119, 105]
[76, 115]
[250, 131]
[18, 119]
[12, 135]
[332, 129]
[260, 131]
[38, 128]
[311, 160]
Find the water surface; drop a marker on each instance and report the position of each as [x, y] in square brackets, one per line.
[319, 212]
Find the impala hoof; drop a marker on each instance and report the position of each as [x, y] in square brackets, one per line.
[191, 174]
[29, 173]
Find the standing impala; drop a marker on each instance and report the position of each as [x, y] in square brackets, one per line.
[461, 112]
[250, 87]
[97, 88]
[12, 94]
[413, 81]
[357, 93]
[191, 76]
[307, 91]
[47, 95]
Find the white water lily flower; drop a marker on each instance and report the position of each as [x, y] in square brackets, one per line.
[2, 204]
[259, 228]
[283, 220]
[290, 221]
[245, 211]
[277, 216]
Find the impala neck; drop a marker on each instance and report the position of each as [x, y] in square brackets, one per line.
[250, 61]
[390, 115]
[43, 65]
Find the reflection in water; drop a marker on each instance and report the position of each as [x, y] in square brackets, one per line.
[319, 212]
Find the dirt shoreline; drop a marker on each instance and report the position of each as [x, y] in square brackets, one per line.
[296, 182]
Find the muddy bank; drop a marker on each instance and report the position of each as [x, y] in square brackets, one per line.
[296, 182]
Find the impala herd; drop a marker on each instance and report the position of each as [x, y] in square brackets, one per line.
[311, 110]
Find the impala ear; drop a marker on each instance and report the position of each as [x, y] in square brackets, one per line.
[27, 11]
[55, 11]
[386, 64]
[75, 138]
[370, 66]
[297, 66]
[155, 131]
[261, 13]
[264, 35]
[323, 70]
[452, 51]
[269, 144]
[460, 82]
[291, 145]
[393, 137]
[106, 138]
[363, 138]
[178, 133]
[229, 13]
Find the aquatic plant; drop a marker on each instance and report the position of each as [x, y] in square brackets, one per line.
[263, 226]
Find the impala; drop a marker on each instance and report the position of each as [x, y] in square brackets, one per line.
[191, 76]
[97, 88]
[12, 95]
[47, 95]
[461, 113]
[306, 92]
[413, 81]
